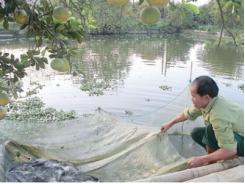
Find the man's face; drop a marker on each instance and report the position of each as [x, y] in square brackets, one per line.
[197, 100]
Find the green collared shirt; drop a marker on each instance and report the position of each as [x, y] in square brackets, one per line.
[225, 118]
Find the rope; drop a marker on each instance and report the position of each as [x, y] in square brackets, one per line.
[161, 107]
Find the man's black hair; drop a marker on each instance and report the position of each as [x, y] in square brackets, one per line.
[206, 86]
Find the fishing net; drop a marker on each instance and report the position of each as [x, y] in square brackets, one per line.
[102, 145]
[99, 145]
[169, 110]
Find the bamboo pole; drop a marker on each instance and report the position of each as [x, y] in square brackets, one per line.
[235, 174]
[192, 173]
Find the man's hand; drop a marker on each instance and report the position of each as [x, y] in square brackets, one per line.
[165, 127]
[179, 118]
[197, 162]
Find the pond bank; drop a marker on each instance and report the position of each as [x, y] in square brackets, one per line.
[7, 35]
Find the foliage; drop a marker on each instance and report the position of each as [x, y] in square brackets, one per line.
[241, 87]
[182, 15]
[111, 19]
[165, 87]
[204, 18]
[94, 87]
[227, 15]
[48, 34]
[11, 67]
[233, 12]
[33, 110]
[96, 17]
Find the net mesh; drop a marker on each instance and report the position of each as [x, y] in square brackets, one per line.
[102, 146]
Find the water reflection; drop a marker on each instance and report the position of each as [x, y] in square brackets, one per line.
[103, 63]
[108, 59]
[126, 73]
[226, 61]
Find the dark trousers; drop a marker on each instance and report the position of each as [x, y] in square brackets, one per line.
[205, 136]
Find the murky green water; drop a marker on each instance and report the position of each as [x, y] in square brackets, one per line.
[135, 75]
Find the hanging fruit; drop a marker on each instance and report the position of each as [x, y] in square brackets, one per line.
[4, 99]
[61, 14]
[150, 15]
[61, 65]
[21, 16]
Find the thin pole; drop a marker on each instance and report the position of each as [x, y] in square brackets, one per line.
[164, 59]
[190, 79]
[182, 126]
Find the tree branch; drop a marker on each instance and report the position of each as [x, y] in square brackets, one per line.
[223, 25]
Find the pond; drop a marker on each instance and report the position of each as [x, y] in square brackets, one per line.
[143, 79]
[135, 75]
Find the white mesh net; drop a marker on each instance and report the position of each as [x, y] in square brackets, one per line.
[102, 146]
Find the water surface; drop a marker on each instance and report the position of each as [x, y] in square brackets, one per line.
[135, 75]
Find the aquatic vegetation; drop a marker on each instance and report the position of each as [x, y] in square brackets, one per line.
[241, 87]
[34, 88]
[129, 113]
[164, 87]
[94, 87]
[33, 109]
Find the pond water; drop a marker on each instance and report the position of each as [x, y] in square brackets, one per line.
[143, 79]
[135, 75]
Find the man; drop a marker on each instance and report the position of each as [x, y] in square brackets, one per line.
[223, 135]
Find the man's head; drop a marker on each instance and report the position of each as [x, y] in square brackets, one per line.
[203, 90]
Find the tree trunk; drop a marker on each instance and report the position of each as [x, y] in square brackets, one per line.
[223, 25]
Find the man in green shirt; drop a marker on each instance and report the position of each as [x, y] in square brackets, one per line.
[223, 135]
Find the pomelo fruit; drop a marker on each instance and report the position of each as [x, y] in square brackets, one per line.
[21, 16]
[118, 2]
[4, 99]
[150, 15]
[3, 112]
[61, 14]
[75, 22]
[158, 2]
[60, 64]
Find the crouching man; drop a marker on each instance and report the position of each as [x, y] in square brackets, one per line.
[223, 134]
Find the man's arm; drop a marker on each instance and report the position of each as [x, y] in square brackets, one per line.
[179, 118]
[220, 154]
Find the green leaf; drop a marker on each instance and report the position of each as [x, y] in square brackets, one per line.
[31, 53]
[192, 8]
[40, 62]
[141, 1]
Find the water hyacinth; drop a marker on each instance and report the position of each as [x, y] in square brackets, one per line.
[33, 109]
[95, 87]
[165, 87]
